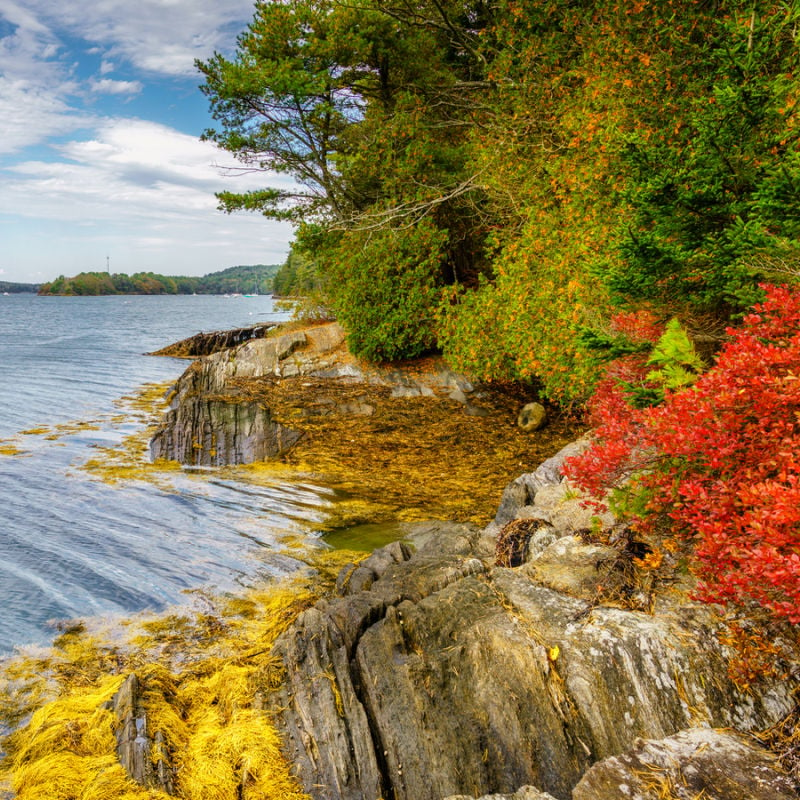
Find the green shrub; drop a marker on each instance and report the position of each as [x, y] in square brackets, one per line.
[385, 287]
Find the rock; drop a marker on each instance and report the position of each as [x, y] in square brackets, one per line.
[714, 765]
[204, 344]
[523, 793]
[445, 676]
[571, 566]
[218, 413]
[144, 757]
[523, 490]
[532, 417]
[212, 432]
[458, 396]
[212, 422]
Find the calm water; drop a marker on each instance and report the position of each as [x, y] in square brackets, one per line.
[74, 546]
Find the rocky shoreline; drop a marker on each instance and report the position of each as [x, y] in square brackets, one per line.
[410, 441]
[221, 407]
[521, 660]
[439, 674]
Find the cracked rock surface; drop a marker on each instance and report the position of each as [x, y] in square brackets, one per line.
[437, 674]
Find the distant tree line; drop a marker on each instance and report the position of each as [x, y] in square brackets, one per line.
[18, 288]
[249, 279]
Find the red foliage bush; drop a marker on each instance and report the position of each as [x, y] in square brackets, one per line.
[720, 460]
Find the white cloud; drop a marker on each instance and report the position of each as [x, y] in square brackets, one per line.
[40, 94]
[31, 114]
[132, 168]
[161, 36]
[109, 86]
[21, 17]
[34, 88]
[147, 186]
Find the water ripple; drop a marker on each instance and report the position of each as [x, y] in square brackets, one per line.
[74, 546]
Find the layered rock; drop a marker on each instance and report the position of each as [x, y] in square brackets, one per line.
[218, 413]
[440, 674]
[204, 344]
[143, 755]
[209, 431]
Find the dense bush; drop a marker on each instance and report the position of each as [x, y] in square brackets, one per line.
[719, 462]
[385, 289]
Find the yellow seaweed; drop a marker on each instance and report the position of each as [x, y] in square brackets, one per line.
[206, 677]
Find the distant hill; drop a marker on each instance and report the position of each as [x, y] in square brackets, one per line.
[18, 288]
[243, 279]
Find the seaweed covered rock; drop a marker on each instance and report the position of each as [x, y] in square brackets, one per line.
[204, 344]
[144, 756]
[300, 394]
[212, 422]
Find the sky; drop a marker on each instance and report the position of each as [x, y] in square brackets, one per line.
[101, 163]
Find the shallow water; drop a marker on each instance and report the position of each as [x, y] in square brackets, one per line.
[72, 545]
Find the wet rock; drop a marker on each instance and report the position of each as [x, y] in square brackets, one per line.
[203, 431]
[204, 344]
[218, 415]
[144, 756]
[714, 765]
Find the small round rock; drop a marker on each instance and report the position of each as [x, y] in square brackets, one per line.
[532, 417]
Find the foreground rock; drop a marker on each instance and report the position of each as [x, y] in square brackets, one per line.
[697, 763]
[143, 756]
[439, 674]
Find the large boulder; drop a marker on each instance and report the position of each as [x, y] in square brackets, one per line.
[222, 411]
[445, 675]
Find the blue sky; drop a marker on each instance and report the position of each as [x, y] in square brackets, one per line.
[100, 157]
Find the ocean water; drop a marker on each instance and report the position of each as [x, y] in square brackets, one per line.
[74, 546]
